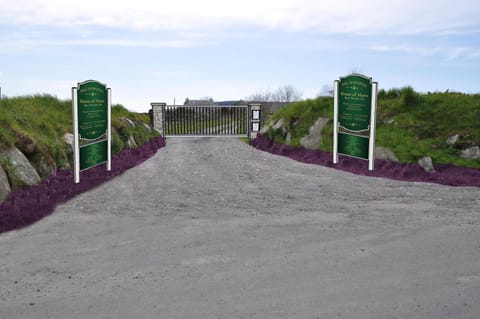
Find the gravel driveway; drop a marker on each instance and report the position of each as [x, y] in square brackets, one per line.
[212, 228]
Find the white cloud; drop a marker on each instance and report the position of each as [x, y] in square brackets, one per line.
[181, 43]
[407, 49]
[24, 41]
[366, 16]
[454, 53]
[448, 53]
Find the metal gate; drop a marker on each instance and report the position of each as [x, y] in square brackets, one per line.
[197, 121]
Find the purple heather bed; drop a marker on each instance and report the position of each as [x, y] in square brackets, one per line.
[444, 173]
[25, 206]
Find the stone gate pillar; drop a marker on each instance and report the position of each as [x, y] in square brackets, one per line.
[157, 114]
[255, 119]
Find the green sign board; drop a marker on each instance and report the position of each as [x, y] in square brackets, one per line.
[353, 145]
[93, 154]
[91, 117]
[354, 103]
[92, 110]
[354, 117]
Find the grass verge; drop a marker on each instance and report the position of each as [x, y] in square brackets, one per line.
[409, 123]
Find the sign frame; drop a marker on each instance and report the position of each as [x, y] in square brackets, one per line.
[368, 132]
[93, 146]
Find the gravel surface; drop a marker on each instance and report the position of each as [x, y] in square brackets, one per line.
[213, 228]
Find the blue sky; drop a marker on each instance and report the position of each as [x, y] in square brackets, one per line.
[158, 51]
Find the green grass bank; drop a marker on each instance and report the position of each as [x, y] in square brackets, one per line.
[411, 124]
[41, 122]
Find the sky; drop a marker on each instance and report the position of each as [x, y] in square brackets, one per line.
[166, 51]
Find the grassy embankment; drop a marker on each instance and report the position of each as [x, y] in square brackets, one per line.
[411, 124]
[46, 119]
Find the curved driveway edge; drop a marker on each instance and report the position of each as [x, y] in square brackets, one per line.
[26, 206]
[444, 174]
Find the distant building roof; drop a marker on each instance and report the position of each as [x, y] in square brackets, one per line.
[199, 102]
[231, 103]
[268, 107]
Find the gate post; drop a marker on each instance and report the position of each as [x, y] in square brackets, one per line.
[255, 119]
[158, 114]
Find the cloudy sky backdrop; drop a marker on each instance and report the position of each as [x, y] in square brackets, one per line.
[164, 50]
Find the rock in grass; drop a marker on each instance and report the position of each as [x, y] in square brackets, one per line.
[20, 167]
[471, 153]
[68, 138]
[44, 164]
[265, 129]
[452, 140]
[5, 188]
[279, 125]
[129, 121]
[426, 163]
[385, 154]
[274, 126]
[314, 138]
[147, 127]
[288, 138]
[131, 142]
[26, 144]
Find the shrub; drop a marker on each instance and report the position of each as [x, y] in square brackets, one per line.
[410, 98]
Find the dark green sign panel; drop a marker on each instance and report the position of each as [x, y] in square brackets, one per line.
[92, 110]
[92, 99]
[353, 145]
[354, 103]
[93, 154]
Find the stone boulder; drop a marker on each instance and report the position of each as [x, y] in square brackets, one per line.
[452, 140]
[426, 163]
[5, 188]
[131, 142]
[280, 125]
[314, 138]
[147, 127]
[26, 144]
[385, 154]
[129, 121]
[264, 129]
[24, 171]
[44, 164]
[471, 153]
[68, 138]
[288, 138]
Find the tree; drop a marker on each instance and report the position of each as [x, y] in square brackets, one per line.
[261, 96]
[286, 93]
